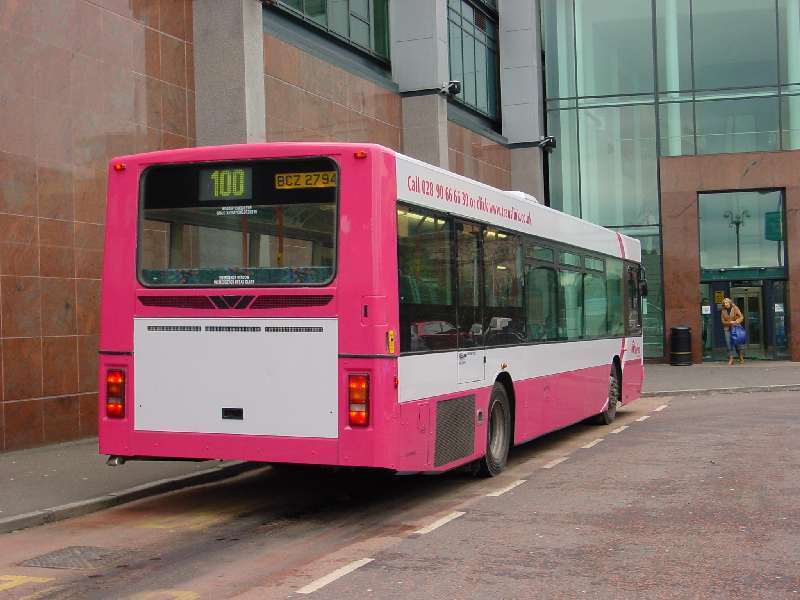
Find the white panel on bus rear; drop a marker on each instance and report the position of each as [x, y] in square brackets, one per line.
[244, 376]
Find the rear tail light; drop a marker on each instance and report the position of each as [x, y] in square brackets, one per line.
[115, 394]
[358, 400]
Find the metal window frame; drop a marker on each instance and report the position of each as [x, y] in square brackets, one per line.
[303, 16]
[490, 45]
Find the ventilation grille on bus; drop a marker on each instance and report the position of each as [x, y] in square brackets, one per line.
[290, 301]
[176, 301]
[455, 429]
[234, 302]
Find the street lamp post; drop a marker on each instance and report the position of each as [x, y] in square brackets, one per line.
[735, 222]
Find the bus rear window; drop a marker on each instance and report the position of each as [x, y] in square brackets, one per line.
[264, 223]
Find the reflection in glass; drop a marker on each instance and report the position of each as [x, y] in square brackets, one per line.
[504, 317]
[614, 42]
[427, 309]
[570, 317]
[469, 285]
[790, 122]
[741, 229]
[742, 125]
[674, 45]
[558, 31]
[676, 128]
[541, 302]
[616, 301]
[734, 43]
[563, 162]
[618, 157]
[789, 40]
[595, 305]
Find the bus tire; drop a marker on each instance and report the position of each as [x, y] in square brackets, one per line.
[614, 396]
[498, 435]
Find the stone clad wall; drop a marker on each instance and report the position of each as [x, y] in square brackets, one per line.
[682, 179]
[80, 82]
[477, 157]
[309, 99]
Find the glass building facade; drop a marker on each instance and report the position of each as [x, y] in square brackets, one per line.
[628, 81]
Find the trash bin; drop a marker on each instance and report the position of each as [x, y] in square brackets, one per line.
[680, 346]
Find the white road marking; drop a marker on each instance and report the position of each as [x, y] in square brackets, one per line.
[660, 408]
[644, 418]
[508, 488]
[436, 524]
[592, 444]
[331, 577]
[619, 429]
[555, 462]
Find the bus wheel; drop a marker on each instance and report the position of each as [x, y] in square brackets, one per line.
[498, 438]
[614, 396]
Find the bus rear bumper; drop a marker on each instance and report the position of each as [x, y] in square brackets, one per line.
[218, 446]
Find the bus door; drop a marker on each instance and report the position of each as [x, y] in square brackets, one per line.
[471, 356]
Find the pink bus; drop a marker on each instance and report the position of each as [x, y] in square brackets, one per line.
[343, 304]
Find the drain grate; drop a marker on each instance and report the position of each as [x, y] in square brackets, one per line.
[79, 557]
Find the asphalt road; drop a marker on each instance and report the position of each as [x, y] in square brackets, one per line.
[697, 500]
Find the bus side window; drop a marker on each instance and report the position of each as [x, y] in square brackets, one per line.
[470, 285]
[616, 297]
[634, 302]
[541, 295]
[504, 317]
[427, 305]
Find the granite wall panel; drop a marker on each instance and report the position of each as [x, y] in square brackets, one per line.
[80, 82]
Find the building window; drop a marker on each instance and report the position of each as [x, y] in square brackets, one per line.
[361, 23]
[472, 32]
[742, 230]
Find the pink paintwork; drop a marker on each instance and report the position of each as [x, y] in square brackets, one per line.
[400, 436]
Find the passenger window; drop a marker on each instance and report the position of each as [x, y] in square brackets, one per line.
[541, 289]
[427, 307]
[569, 259]
[594, 264]
[570, 321]
[595, 305]
[634, 302]
[542, 253]
[470, 289]
[504, 318]
[616, 303]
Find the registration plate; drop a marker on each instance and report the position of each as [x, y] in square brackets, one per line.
[315, 179]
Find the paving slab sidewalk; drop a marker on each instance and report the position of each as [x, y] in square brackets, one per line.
[63, 480]
[754, 375]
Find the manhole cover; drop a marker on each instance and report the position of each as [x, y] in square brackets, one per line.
[79, 557]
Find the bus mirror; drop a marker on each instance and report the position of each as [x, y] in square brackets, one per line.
[643, 288]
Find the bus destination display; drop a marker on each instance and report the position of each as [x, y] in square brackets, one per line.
[297, 181]
[226, 184]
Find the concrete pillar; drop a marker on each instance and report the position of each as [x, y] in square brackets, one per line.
[521, 92]
[229, 71]
[420, 66]
[425, 129]
[526, 172]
